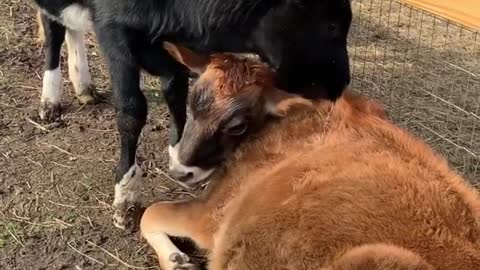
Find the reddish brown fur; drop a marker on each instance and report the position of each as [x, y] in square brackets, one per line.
[329, 186]
[232, 75]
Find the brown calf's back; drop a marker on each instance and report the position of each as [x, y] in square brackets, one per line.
[337, 179]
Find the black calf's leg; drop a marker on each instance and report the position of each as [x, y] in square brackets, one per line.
[174, 78]
[52, 78]
[131, 114]
[78, 70]
[175, 93]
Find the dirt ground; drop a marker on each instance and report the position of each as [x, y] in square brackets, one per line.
[56, 183]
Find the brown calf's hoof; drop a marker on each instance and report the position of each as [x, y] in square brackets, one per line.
[50, 112]
[181, 261]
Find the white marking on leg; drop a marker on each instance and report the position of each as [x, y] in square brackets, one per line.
[127, 192]
[198, 174]
[78, 70]
[164, 247]
[52, 86]
[128, 189]
[77, 18]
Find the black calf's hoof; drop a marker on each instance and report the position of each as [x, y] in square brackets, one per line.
[127, 216]
[50, 112]
[88, 96]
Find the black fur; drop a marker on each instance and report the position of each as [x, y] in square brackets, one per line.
[54, 37]
[305, 40]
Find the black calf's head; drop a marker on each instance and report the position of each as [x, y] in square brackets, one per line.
[229, 100]
[305, 41]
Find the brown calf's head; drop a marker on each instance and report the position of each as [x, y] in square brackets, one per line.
[229, 100]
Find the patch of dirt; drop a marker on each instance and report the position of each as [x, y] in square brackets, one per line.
[56, 186]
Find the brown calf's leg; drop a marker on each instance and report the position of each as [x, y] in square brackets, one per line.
[379, 256]
[180, 219]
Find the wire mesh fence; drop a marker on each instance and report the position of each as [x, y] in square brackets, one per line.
[426, 70]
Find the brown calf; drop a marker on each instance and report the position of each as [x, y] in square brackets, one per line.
[327, 186]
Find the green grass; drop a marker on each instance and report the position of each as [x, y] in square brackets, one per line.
[10, 234]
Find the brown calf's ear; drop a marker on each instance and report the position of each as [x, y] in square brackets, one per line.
[195, 62]
[279, 102]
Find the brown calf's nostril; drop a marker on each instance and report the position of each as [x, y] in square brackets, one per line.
[181, 175]
[185, 177]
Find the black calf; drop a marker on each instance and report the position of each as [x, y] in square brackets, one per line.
[304, 40]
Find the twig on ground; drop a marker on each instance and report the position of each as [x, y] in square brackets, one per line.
[85, 255]
[61, 204]
[62, 165]
[6, 105]
[117, 258]
[60, 149]
[63, 223]
[58, 191]
[37, 125]
[15, 238]
[34, 162]
[88, 219]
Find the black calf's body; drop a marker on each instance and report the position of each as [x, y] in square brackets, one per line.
[304, 40]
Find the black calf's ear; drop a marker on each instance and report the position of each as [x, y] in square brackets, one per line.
[195, 62]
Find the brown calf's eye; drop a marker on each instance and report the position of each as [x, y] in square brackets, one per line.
[236, 129]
